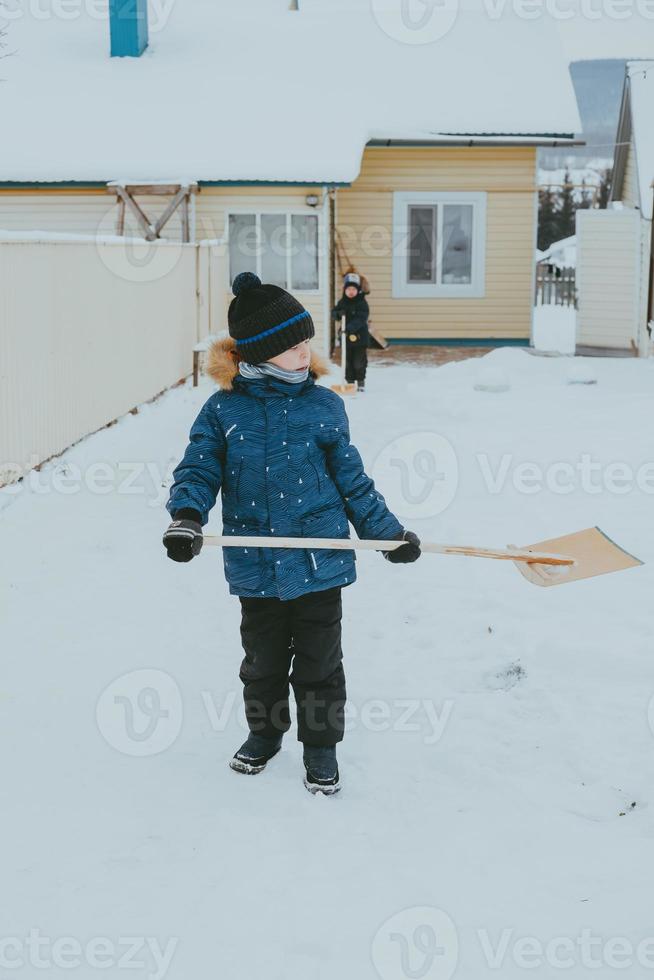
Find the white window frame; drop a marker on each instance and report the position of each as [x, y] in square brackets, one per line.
[401, 288]
[288, 213]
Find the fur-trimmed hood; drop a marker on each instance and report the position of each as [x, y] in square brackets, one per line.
[223, 358]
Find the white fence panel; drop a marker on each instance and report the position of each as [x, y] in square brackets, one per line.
[608, 278]
[219, 288]
[88, 330]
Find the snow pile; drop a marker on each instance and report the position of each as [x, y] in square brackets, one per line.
[562, 253]
[498, 763]
[555, 329]
[32, 237]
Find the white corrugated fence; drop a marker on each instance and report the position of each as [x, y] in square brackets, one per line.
[89, 329]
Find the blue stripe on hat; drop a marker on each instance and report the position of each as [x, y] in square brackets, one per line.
[280, 326]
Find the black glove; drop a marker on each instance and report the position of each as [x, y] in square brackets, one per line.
[183, 538]
[408, 552]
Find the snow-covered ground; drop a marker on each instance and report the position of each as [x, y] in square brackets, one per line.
[555, 328]
[498, 732]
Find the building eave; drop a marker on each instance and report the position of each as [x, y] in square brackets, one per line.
[622, 143]
[103, 184]
[485, 139]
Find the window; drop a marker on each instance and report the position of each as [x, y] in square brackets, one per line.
[280, 248]
[421, 253]
[438, 244]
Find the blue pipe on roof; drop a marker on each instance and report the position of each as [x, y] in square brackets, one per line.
[128, 22]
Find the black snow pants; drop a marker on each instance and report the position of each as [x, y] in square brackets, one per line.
[307, 632]
[356, 362]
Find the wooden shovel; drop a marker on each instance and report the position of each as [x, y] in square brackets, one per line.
[593, 551]
[344, 387]
[554, 562]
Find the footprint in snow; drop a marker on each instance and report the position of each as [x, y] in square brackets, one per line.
[507, 678]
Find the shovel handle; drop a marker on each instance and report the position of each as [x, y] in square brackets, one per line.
[358, 544]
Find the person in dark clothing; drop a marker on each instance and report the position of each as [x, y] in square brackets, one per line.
[277, 446]
[354, 307]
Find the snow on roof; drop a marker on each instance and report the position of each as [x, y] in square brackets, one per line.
[562, 253]
[592, 31]
[254, 91]
[641, 94]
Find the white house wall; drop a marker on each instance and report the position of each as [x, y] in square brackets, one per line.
[630, 192]
[646, 259]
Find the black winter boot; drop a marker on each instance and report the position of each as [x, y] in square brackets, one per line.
[255, 752]
[321, 769]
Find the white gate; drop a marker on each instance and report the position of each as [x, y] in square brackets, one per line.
[609, 279]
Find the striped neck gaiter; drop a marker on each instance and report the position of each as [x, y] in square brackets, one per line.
[266, 369]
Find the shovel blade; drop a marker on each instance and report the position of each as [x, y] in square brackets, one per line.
[594, 554]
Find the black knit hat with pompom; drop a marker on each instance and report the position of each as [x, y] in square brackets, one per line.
[265, 320]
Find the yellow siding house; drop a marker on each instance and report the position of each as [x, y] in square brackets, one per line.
[411, 158]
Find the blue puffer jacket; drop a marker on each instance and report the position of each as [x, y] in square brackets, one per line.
[282, 456]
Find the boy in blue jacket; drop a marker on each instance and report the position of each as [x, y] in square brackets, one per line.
[277, 446]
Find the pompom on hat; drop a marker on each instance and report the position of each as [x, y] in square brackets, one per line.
[265, 320]
[352, 279]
